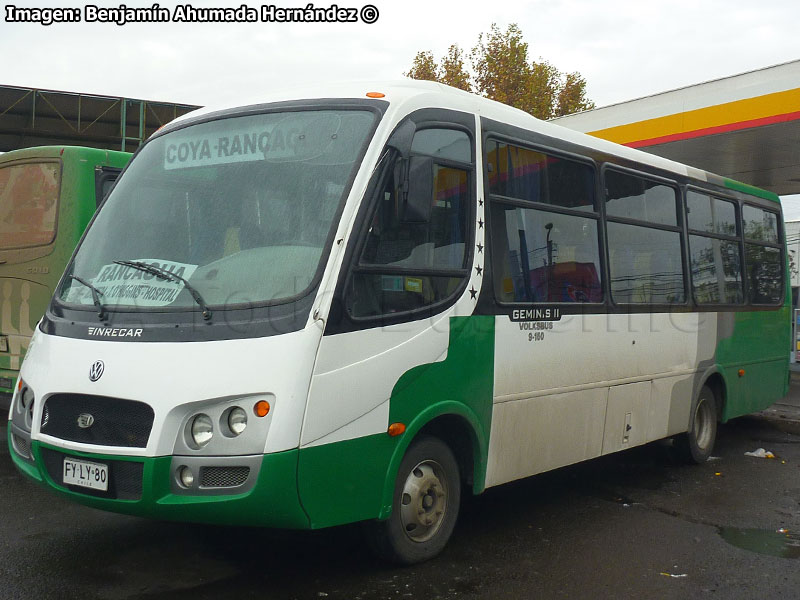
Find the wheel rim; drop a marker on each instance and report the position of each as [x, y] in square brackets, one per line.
[423, 501]
[704, 419]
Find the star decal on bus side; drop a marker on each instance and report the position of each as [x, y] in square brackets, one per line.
[473, 293]
[479, 270]
[480, 248]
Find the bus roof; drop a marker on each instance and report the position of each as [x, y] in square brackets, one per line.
[98, 155]
[407, 95]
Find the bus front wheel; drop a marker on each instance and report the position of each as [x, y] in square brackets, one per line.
[696, 445]
[425, 505]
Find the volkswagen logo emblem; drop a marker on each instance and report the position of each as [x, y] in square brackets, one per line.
[96, 372]
[85, 420]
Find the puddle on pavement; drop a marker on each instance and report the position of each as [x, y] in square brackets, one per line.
[763, 541]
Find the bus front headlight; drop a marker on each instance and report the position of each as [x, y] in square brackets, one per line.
[202, 430]
[237, 420]
[25, 405]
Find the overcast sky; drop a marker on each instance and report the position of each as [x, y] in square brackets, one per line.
[624, 49]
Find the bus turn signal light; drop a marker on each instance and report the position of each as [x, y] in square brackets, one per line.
[261, 409]
[741, 372]
[396, 429]
[375, 94]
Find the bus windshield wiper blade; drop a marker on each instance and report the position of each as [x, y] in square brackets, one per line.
[169, 276]
[101, 310]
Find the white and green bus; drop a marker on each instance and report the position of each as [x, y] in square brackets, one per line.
[355, 305]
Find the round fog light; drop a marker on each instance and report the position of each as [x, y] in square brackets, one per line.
[202, 430]
[186, 476]
[237, 420]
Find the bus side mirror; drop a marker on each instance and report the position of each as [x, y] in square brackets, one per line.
[402, 137]
[418, 190]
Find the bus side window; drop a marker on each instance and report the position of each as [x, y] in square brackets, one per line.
[762, 256]
[409, 239]
[644, 240]
[29, 194]
[548, 257]
[544, 226]
[714, 250]
[104, 180]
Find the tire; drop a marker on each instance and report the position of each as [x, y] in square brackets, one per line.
[427, 494]
[696, 445]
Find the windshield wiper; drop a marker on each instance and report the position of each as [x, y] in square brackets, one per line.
[168, 276]
[101, 311]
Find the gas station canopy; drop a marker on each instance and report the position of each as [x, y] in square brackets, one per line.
[746, 127]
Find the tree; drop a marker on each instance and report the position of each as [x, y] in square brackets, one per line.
[423, 67]
[500, 62]
[572, 96]
[542, 90]
[502, 71]
[452, 71]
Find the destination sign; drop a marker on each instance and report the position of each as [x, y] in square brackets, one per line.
[234, 146]
[122, 284]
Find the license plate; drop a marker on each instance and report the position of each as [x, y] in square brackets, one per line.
[86, 474]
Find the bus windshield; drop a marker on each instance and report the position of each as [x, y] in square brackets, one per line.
[240, 207]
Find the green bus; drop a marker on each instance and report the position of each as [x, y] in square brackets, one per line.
[48, 195]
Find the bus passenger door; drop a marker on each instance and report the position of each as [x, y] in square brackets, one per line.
[391, 313]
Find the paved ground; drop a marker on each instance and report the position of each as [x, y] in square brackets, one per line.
[632, 525]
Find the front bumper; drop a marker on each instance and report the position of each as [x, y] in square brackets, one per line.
[143, 486]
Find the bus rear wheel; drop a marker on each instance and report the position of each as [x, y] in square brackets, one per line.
[696, 445]
[425, 505]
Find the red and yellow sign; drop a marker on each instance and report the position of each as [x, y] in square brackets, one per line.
[721, 118]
